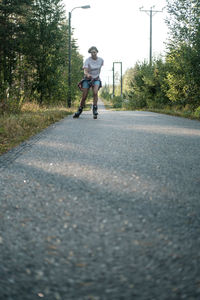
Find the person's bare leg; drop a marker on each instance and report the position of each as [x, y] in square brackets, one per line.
[95, 94]
[95, 100]
[82, 103]
[84, 97]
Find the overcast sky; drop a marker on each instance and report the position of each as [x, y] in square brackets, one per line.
[118, 29]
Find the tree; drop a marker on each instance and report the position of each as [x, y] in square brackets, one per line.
[12, 17]
[184, 52]
[47, 51]
[145, 84]
[34, 52]
[43, 41]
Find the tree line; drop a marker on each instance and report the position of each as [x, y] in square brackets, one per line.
[175, 78]
[34, 53]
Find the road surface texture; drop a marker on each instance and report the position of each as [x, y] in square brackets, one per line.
[105, 209]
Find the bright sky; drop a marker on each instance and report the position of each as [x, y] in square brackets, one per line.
[118, 29]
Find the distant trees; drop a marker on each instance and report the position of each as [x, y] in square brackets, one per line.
[145, 85]
[34, 53]
[175, 79]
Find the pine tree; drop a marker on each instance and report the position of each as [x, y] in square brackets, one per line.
[12, 17]
[43, 44]
[34, 52]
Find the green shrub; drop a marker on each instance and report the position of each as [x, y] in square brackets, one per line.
[117, 101]
[197, 112]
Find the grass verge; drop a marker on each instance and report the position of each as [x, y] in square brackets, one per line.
[183, 112]
[16, 128]
[107, 104]
[173, 112]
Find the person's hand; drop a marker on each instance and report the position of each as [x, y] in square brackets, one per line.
[89, 76]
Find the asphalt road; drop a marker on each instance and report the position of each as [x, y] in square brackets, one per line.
[105, 209]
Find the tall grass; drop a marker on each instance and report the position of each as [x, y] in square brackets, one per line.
[184, 112]
[17, 127]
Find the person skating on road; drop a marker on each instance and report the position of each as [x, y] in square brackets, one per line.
[92, 68]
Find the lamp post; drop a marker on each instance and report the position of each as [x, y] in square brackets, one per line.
[69, 96]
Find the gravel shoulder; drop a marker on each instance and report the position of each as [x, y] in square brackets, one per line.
[102, 209]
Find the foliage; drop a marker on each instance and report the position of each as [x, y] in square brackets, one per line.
[197, 112]
[184, 52]
[183, 77]
[145, 85]
[15, 128]
[12, 18]
[105, 92]
[117, 101]
[34, 53]
[183, 22]
[175, 80]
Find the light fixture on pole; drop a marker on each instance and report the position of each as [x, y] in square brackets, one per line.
[69, 54]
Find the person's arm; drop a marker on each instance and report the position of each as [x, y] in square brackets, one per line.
[86, 73]
[86, 69]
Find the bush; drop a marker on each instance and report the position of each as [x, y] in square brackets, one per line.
[10, 106]
[117, 101]
[188, 108]
[136, 102]
[197, 112]
[30, 106]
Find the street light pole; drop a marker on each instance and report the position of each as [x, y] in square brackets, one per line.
[69, 64]
[69, 96]
[121, 82]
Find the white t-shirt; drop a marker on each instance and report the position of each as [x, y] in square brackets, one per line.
[93, 66]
